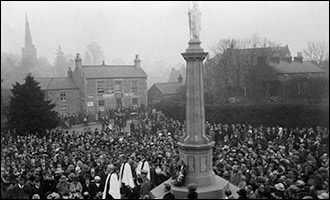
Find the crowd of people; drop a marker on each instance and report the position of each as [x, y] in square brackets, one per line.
[264, 162]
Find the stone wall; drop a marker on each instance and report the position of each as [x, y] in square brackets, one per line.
[109, 96]
[72, 101]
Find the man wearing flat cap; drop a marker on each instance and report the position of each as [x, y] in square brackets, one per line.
[145, 185]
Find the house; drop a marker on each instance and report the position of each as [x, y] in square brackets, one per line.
[110, 86]
[275, 70]
[63, 92]
[160, 91]
[229, 69]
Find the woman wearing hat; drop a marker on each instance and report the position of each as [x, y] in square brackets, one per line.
[63, 187]
[75, 185]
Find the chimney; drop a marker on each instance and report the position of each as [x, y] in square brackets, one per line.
[287, 59]
[137, 61]
[180, 79]
[78, 61]
[275, 59]
[70, 73]
[298, 58]
[261, 60]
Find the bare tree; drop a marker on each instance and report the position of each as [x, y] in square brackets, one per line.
[316, 51]
[220, 71]
[228, 69]
[94, 54]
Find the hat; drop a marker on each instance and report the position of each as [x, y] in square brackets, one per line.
[261, 179]
[323, 195]
[192, 187]
[74, 177]
[235, 167]
[59, 171]
[144, 171]
[63, 178]
[279, 187]
[78, 169]
[293, 188]
[226, 173]
[300, 183]
[71, 175]
[97, 178]
[290, 174]
[241, 192]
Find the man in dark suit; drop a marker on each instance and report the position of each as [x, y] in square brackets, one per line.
[20, 191]
[146, 184]
[168, 194]
[96, 188]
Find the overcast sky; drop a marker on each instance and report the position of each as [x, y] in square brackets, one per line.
[157, 30]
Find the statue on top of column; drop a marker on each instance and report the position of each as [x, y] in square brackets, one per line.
[195, 20]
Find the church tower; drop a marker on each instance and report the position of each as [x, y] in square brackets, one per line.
[29, 50]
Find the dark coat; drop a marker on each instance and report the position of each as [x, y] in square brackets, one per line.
[145, 188]
[18, 193]
[169, 195]
[93, 189]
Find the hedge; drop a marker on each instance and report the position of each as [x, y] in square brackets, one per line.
[270, 114]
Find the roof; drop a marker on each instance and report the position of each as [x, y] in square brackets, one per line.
[56, 83]
[280, 51]
[168, 88]
[113, 71]
[295, 67]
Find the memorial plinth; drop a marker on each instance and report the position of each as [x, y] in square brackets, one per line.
[195, 147]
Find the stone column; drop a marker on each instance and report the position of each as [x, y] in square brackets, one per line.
[196, 148]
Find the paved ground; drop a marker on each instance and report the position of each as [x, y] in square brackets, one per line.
[94, 125]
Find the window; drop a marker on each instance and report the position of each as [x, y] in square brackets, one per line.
[135, 101]
[118, 85]
[100, 86]
[134, 86]
[101, 103]
[309, 75]
[64, 111]
[285, 77]
[63, 96]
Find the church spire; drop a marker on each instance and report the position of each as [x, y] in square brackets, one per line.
[28, 37]
[29, 49]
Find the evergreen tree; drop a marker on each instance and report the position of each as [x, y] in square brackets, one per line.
[29, 112]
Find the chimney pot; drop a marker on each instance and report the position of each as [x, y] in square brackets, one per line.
[78, 61]
[137, 61]
[70, 73]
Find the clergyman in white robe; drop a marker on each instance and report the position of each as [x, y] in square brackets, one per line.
[126, 176]
[146, 167]
[114, 189]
